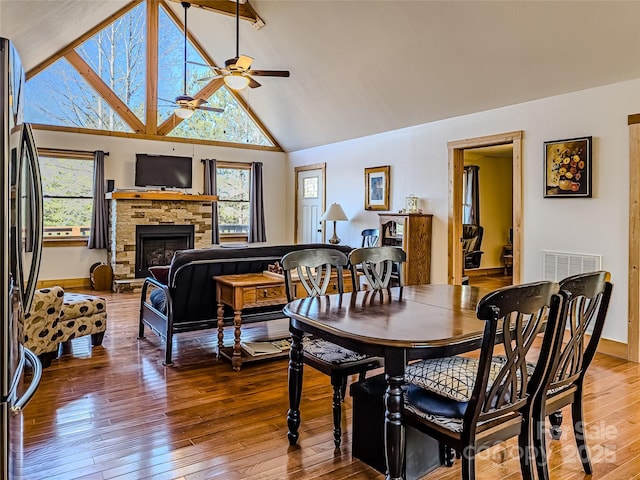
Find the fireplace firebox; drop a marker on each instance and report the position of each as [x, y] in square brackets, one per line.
[156, 244]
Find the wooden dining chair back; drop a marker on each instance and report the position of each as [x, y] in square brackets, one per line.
[370, 237]
[589, 295]
[470, 404]
[314, 268]
[381, 267]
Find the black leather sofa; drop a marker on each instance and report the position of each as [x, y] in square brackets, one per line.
[186, 300]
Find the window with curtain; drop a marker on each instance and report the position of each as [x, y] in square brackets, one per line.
[67, 186]
[234, 185]
[470, 195]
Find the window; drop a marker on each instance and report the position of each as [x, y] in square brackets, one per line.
[67, 187]
[233, 184]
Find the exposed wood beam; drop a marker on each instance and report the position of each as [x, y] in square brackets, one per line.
[226, 7]
[152, 67]
[144, 136]
[81, 39]
[173, 121]
[103, 90]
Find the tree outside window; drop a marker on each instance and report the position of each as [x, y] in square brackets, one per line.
[67, 187]
[233, 200]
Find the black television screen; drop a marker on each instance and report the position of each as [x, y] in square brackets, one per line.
[163, 171]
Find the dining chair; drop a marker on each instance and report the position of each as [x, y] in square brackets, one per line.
[589, 296]
[314, 268]
[470, 404]
[381, 267]
[370, 237]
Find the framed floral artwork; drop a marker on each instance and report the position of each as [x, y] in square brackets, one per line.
[376, 184]
[567, 168]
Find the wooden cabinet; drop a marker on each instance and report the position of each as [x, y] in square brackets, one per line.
[412, 232]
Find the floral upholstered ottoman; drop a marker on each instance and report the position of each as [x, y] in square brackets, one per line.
[83, 315]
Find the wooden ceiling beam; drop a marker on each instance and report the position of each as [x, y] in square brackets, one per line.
[227, 7]
[152, 67]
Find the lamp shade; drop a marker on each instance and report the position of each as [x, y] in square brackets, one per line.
[335, 213]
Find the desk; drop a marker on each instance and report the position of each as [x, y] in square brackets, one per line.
[249, 290]
[425, 321]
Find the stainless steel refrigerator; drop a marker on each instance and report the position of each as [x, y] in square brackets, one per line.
[20, 250]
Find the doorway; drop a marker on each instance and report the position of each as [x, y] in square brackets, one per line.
[310, 203]
[456, 173]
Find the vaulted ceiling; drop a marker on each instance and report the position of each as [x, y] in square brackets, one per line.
[364, 67]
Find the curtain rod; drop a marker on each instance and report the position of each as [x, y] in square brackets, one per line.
[67, 152]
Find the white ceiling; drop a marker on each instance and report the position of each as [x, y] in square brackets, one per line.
[360, 67]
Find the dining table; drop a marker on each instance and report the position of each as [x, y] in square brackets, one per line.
[399, 324]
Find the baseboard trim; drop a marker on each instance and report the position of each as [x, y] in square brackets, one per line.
[483, 272]
[65, 283]
[614, 348]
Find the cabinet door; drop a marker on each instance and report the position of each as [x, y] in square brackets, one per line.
[392, 233]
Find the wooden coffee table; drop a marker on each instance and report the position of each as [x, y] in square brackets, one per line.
[250, 290]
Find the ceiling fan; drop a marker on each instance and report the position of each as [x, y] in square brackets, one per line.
[185, 104]
[237, 73]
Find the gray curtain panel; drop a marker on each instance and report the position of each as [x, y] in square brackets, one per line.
[211, 188]
[471, 201]
[98, 235]
[257, 231]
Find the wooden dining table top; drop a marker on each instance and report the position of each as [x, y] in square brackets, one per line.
[419, 316]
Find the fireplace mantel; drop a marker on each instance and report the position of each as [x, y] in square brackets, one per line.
[160, 195]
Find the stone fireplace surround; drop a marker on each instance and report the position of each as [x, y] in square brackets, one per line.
[129, 209]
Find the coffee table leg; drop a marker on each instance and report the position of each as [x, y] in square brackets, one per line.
[295, 385]
[236, 360]
[394, 440]
[220, 328]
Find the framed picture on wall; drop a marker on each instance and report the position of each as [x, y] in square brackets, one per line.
[376, 184]
[567, 168]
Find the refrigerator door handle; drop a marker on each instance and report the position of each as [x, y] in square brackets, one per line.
[19, 405]
[38, 211]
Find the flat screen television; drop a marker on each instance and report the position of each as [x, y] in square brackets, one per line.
[163, 171]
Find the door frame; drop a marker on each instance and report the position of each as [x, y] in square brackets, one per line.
[297, 170]
[456, 169]
[633, 329]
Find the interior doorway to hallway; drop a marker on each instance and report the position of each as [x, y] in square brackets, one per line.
[456, 173]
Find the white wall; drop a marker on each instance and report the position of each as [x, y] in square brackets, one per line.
[419, 165]
[75, 262]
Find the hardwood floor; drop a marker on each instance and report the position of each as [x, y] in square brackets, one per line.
[114, 412]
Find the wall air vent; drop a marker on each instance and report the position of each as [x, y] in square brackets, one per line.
[559, 265]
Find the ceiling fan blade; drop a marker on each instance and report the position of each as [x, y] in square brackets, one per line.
[244, 62]
[165, 100]
[252, 82]
[208, 79]
[270, 73]
[197, 102]
[211, 109]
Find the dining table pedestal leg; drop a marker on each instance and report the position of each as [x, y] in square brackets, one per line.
[295, 385]
[394, 425]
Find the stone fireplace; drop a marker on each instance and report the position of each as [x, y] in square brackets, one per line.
[130, 210]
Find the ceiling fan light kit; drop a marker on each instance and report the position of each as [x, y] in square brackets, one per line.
[236, 81]
[183, 112]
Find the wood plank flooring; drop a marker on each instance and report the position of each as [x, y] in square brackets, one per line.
[114, 412]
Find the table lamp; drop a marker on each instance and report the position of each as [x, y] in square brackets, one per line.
[336, 214]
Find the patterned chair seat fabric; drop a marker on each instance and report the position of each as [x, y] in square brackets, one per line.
[41, 327]
[330, 352]
[82, 315]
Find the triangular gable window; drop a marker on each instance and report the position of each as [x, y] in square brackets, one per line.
[60, 96]
[100, 84]
[117, 55]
